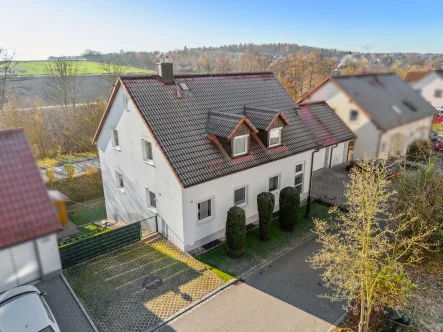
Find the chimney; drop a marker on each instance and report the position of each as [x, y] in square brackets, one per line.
[166, 72]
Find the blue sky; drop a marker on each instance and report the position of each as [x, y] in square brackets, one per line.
[38, 29]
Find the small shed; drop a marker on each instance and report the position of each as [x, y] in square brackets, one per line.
[58, 201]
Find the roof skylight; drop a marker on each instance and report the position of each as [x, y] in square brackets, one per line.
[184, 86]
[409, 105]
[396, 109]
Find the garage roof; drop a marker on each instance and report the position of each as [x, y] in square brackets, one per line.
[25, 209]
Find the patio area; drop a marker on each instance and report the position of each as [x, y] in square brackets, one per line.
[134, 288]
[328, 185]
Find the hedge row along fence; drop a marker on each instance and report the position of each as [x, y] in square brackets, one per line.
[103, 243]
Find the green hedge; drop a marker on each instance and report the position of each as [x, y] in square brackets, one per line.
[289, 205]
[265, 203]
[82, 188]
[235, 231]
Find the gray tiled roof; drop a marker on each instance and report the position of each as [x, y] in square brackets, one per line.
[439, 72]
[377, 93]
[259, 117]
[325, 123]
[222, 124]
[179, 123]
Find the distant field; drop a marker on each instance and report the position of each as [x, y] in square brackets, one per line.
[86, 67]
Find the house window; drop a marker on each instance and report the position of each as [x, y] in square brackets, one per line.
[152, 201]
[438, 93]
[353, 116]
[274, 183]
[115, 142]
[204, 209]
[240, 196]
[275, 137]
[119, 181]
[298, 181]
[147, 151]
[241, 145]
[125, 103]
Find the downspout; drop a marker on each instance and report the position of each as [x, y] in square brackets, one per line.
[330, 157]
[308, 200]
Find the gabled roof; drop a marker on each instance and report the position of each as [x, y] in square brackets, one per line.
[225, 124]
[25, 209]
[415, 76]
[378, 94]
[264, 118]
[325, 123]
[179, 124]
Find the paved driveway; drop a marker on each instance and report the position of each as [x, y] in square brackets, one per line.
[120, 292]
[328, 185]
[280, 297]
[65, 308]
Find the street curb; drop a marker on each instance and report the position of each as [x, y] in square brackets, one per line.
[79, 303]
[338, 321]
[231, 282]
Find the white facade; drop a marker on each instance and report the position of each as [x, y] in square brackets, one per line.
[370, 140]
[177, 207]
[29, 261]
[431, 88]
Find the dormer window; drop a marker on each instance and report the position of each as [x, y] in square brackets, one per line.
[241, 145]
[275, 137]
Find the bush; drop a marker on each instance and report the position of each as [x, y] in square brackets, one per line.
[235, 231]
[289, 205]
[419, 149]
[82, 188]
[90, 170]
[70, 170]
[265, 203]
[50, 174]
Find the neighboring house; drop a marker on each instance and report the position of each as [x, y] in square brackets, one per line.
[189, 147]
[415, 76]
[382, 110]
[28, 244]
[431, 87]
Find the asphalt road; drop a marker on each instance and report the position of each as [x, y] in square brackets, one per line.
[280, 297]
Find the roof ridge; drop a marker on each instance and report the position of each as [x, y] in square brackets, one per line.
[11, 130]
[364, 75]
[153, 76]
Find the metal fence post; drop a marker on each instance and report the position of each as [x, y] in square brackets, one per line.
[156, 224]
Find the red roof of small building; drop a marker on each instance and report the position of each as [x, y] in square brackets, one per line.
[25, 209]
[415, 76]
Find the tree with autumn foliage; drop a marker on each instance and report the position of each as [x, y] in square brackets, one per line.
[365, 250]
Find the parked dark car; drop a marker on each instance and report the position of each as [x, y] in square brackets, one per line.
[392, 169]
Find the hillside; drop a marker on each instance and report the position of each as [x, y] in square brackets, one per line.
[86, 67]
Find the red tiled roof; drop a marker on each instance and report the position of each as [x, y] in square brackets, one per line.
[414, 76]
[25, 209]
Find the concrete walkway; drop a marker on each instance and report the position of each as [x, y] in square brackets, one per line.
[328, 185]
[80, 168]
[280, 297]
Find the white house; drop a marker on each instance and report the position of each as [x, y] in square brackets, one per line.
[431, 87]
[28, 244]
[189, 147]
[382, 110]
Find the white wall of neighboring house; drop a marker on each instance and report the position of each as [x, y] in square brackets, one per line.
[132, 204]
[29, 261]
[407, 134]
[428, 85]
[367, 134]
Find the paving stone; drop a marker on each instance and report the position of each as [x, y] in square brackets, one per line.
[328, 185]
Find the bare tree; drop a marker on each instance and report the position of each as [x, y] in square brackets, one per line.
[112, 69]
[8, 73]
[63, 82]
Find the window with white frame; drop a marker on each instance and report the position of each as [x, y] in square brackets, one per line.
[298, 181]
[275, 137]
[438, 93]
[274, 183]
[119, 180]
[115, 142]
[125, 103]
[241, 145]
[152, 200]
[204, 209]
[147, 151]
[240, 196]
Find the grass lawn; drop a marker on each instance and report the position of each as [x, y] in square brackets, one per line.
[88, 214]
[86, 67]
[82, 188]
[256, 250]
[66, 159]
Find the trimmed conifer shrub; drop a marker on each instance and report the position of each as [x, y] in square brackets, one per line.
[265, 203]
[236, 231]
[289, 205]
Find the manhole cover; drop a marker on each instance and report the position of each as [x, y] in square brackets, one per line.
[330, 197]
[152, 282]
